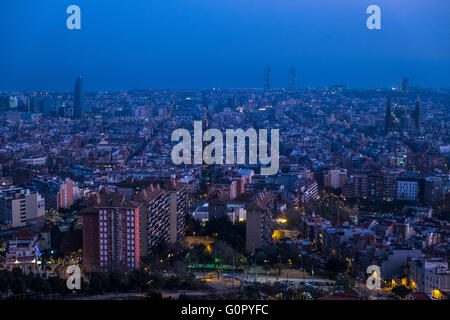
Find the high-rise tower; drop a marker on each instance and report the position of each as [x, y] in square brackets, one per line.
[267, 78]
[405, 82]
[292, 78]
[417, 115]
[78, 105]
[388, 118]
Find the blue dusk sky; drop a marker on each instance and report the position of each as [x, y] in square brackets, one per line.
[126, 44]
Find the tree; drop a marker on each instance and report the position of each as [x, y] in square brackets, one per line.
[18, 286]
[193, 226]
[116, 282]
[335, 266]
[6, 280]
[97, 283]
[154, 295]
[294, 218]
[179, 267]
[233, 234]
[57, 285]
[401, 291]
[173, 283]
[156, 281]
[198, 254]
[224, 254]
[260, 257]
[224, 251]
[138, 279]
[38, 284]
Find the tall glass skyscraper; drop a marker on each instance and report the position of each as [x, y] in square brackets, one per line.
[78, 105]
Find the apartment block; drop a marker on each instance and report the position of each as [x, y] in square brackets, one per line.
[428, 274]
[259, 221]
[19, 207]
[154, 218]
[58, 193]
[116, 244]
[23, 252]
[335, 178]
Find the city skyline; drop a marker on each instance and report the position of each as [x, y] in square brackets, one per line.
[361, 183]
[291, 83]
[237, 154]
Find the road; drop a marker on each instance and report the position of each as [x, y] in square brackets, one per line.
[225, 280]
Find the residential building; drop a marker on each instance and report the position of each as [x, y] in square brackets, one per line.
[335, 178]
[19, 207]
[116, 245]
[23, 252]
[58, 193]
[259, 221]
[428, 275]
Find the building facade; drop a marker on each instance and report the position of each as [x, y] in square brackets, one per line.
[335, 178]
[58, 193]
[259, 228]
[116, 245]
[23, 252]
[19, 207]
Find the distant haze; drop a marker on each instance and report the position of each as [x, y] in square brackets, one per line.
[126, 44]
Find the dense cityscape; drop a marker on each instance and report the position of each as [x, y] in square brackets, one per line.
[87, 180]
